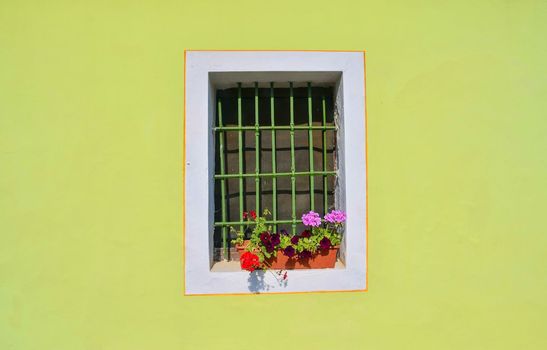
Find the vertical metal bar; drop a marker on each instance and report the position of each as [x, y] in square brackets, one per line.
[293, 167]
[257, 154]
[240, 154]
[325, 199]
[310, 144]
[224, 229]
[274, 164]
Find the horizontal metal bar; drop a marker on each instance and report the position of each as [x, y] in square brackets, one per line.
[220, 223]
[296, 173]
[276, 127]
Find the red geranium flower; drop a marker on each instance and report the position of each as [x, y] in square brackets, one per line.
[249, 261]
[245, 214]
[253, 214]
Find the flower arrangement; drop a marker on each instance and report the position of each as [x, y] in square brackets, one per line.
[266, 249]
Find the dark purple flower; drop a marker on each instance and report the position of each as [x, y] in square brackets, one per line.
[325, 243]
[306, 234]
[275, 239]
[305, 254]
[289, 251]
[295, 239]
[284, 232]
[265, 237]
[269, 246]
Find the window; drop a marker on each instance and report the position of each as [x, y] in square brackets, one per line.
[274, 143]
[277, 130]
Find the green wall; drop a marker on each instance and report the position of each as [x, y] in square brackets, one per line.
[91, 105]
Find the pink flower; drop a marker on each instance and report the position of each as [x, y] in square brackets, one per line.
[335, 217]
[311, 219]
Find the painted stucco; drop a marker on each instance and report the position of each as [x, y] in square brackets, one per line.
[91, 105]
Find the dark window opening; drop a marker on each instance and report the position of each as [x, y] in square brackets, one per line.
[262, 146]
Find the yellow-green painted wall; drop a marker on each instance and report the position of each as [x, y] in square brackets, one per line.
[91, 105]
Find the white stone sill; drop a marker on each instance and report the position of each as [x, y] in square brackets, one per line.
[234, 266]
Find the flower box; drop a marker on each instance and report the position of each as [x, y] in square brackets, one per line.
[322, 259]
[314, 248]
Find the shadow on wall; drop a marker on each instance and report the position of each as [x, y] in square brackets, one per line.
[257, 282]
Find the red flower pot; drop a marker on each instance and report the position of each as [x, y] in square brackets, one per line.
[320, 260]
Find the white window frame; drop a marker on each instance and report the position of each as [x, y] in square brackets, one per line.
[205, 71]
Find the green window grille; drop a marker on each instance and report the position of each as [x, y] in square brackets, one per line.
[248, 116]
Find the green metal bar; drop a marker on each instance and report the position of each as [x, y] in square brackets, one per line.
[310, 144]
[257, 154]
[233, 223]
[293, 167]
[277, 127]
[274, 164]
[325, 185]
[240, 154]
[225, 248]
[296, 173]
